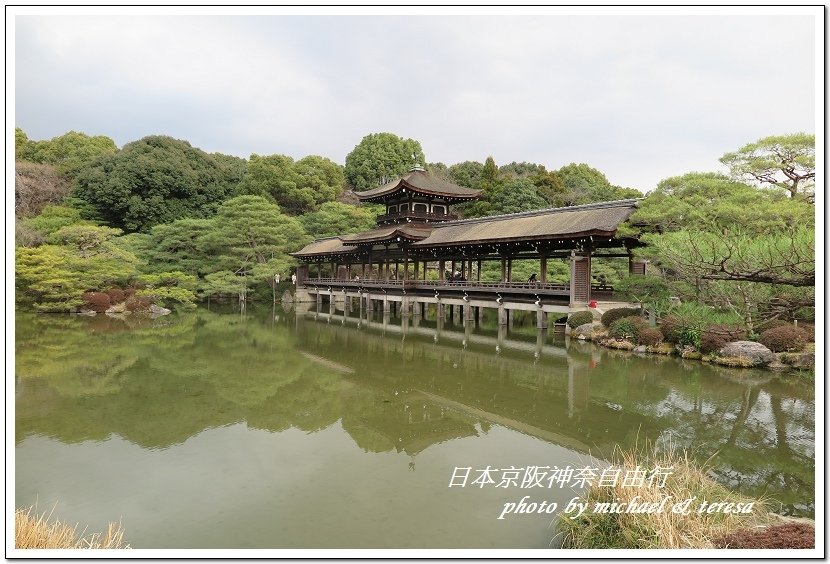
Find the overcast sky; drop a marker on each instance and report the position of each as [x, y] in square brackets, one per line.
[641, 98]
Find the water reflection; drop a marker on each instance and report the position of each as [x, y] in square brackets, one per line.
[402, 385]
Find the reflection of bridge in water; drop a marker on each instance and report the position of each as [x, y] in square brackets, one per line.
[537, 388]
[445, 381]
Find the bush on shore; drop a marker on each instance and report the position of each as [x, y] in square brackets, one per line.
[714, 337]
[787, 338]
[627, 328]
[610, 316]
[580, 318]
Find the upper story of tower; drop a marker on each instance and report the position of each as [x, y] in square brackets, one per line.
[418, 197]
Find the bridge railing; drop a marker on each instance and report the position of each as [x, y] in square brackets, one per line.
[448, 284]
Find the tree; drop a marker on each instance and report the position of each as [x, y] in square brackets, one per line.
[466, 174]
[181, 245]
[550, 186]
[380, 158]
[297, 187]
[336, 218]
[515, 196]
[36, 186]
[154, 180]
[21, 140]
[249, 231]
[786, 161]
[730, 245]
[711, 201]
[489, 175]
[79, 258]
[584, 184]
[439, 169]
[320, 176]
[69, 152]
[521, 170]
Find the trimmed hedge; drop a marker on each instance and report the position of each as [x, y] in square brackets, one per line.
[580, 318]
[810, 329]
[649, 336]
[670, 328]
[610, 316]
[138, 303]
[116, 295]
[715, 337]
[784, 339]
[97, 301]
[628, 328]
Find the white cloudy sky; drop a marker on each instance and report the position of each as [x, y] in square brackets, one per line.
[639, 97]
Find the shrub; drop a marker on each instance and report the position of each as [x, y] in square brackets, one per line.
[689, 336]
[810, 330]
[610, 316]
[715, 337]
[772, 324]
[580, 318]
[627, 328]
[649, 336]
[781, 339]
[670, 327]
[116, 295]
[138, 303]
[129, 293]
[97, 301]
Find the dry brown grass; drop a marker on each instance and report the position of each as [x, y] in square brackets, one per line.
[35, 531]
[664, 529]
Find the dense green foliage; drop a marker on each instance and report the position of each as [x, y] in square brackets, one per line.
[742, 252]
[729, 245]
[580, 318]
[151, 181]
[297, 187]
[379, 158]
[69, 152]
[612, 315]
[336, 218]
[785, 161]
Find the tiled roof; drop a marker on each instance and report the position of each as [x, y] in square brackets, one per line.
[569, 222]
[411, 231]
[423, 182]
[331, 245]
[541, 225]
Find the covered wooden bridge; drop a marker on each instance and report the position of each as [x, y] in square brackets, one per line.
[419, 253]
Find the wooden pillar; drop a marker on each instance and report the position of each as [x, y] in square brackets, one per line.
[333, 269]
[510, 270]
[397, 274]
[406, 265]
[503, 270]
[370, 265]
[580, 279]
[452, 268]
[541, 319]
[441, 268]
[417, 273]
[478, 271]
[319, 270]
[502, 315]
[469, 270]
[543, 269]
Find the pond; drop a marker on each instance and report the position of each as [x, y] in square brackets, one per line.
[273, 429]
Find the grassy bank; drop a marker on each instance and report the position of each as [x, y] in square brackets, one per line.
[665, 528]
[35, 531]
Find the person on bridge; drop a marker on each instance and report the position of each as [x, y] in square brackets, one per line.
[532, 279]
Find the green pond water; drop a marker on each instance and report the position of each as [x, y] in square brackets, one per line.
[271, 429]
